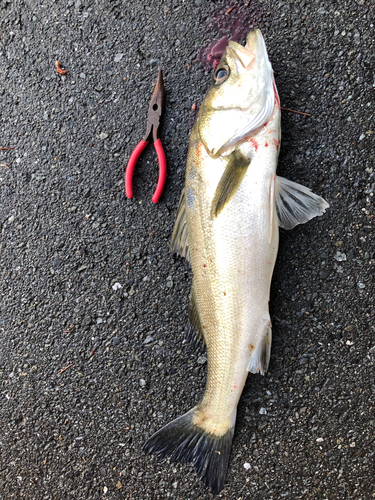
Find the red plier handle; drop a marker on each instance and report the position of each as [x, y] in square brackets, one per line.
[153, 121]
[162, 169]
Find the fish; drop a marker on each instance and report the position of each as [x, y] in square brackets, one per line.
[227, 227]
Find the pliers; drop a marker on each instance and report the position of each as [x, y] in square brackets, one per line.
[153, 121]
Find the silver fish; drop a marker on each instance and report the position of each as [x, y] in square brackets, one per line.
[227, 227]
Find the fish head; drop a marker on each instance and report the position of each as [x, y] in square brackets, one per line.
[241, 97]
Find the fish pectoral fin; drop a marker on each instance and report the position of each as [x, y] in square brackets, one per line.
[260, 356]
[229, 183]
[296, 204]
[194, 330]
[179, 241]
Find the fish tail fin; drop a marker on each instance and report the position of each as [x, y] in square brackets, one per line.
[184, 441]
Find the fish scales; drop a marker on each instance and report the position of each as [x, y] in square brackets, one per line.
[227, 227]
[232, 261]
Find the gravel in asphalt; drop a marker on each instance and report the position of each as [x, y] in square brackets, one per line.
[88, 368]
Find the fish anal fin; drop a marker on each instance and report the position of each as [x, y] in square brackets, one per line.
[179, 241]
[194, 330]
[260, 355]
[230, 181]
[296, 204]
[182, 440]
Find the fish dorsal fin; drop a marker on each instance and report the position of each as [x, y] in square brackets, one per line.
[179, 241]
[230, 182]
[260, 354]
[194, 329]
[296, 204]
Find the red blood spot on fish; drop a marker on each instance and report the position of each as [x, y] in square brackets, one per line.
[204, 265]
[254, 143]
[201, 151]
[276, 142]
[266, 144]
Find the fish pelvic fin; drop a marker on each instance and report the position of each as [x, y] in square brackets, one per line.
[296, 204]
[183, 441]
[260, 355]
[230, 182]
[179, 241]
[194, 330]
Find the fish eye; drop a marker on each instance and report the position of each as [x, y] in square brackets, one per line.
[221, 74]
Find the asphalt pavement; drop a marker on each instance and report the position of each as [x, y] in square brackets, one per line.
[93, 308]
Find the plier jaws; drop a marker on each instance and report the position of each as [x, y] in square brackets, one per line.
[155, 110]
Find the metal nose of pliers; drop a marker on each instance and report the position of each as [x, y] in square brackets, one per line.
[155, 110]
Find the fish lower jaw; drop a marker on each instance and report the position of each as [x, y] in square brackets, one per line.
[213, 423]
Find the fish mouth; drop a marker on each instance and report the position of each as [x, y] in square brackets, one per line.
[255, 49]
[254, 39]
[255, 43]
